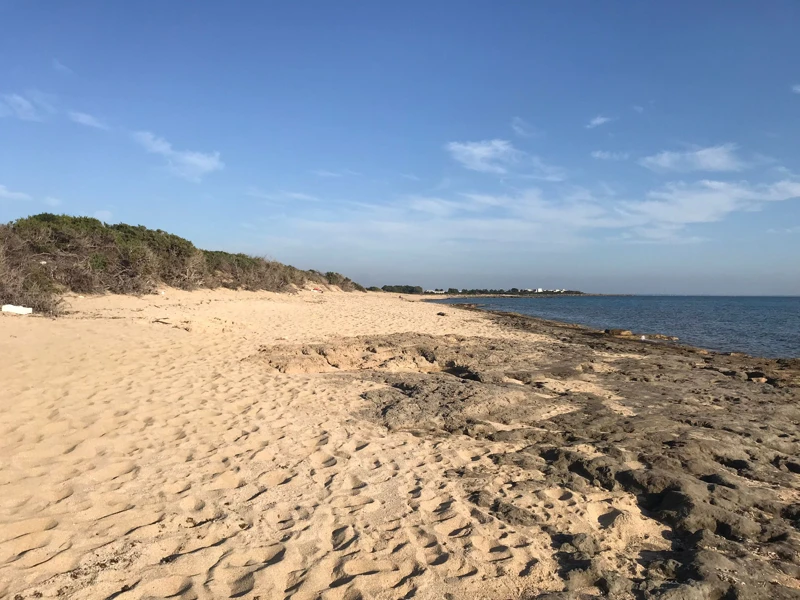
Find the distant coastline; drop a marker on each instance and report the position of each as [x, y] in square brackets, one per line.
[432, 298]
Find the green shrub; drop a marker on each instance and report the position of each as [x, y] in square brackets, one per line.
[403, 289]
[344, 283]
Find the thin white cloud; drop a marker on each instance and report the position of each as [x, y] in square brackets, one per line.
[500, 157]
[280, 196]
[657, 234]
[7, 194]
[795, 229]
[87, 120]
[605, 155]
[339, 173]
[714, 158]
[30, 106]
[638, 109]
[410, 176]
[706, 201]
[559, 216]
[20, 107]
[464, 203]
[188, 164]
[489, 156]
[300, 196]
[103, 215]
[52, 201]
[543, 171]
[598, 121]
[62, 68]
[796, 88]
[522, 128]
[433, 206]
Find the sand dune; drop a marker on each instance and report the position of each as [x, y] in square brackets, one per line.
[154, 448]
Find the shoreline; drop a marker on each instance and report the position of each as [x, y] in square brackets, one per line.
[594, 336]
[662, 340]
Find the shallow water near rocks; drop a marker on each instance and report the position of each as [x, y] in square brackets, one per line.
[759, 326]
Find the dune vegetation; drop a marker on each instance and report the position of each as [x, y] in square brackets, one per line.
[46, 255]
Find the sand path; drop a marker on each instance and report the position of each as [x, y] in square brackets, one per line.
[144, 456]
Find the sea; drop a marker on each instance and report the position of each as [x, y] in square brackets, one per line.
[759, 326]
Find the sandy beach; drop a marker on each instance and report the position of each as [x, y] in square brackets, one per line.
[216, 444]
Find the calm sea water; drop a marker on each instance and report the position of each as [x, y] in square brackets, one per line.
[760, 326]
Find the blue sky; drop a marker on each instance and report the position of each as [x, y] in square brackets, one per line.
[606, 146]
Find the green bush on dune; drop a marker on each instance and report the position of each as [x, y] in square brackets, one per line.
[403, 289]
[45, 255]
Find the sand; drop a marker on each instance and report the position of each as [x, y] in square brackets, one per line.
[219, 444]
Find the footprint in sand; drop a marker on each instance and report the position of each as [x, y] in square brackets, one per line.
[322, 460]
[113, 471]
[343, 537]
[227, 481]
[277, 477]
[192, 504]
[166, 587]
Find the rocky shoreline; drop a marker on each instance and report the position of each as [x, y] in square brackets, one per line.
[702, 443]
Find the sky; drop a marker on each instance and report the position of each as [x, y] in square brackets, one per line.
[631, 147]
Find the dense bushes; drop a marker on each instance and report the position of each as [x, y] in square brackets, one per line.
[403, 289]
[342, 282]
[45, 255]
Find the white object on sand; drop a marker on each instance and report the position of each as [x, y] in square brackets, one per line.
[17, 310]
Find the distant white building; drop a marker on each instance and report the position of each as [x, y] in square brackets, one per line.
[539, 290]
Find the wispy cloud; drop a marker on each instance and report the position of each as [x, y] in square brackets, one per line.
[189, 164]
[638, 109]
[489, 156]
[433, 206]
[706, 201]
[61, 67]
[103, 215]
[52, 201]
[796, 88]
[31, 106]
[14, 105]
[795, 229]
[500, 157]
[713, 158]
[543, 171]
[339, 173]
[605, 155]
[410, 176]
[522, 128]
[87, 120]
[598, 121]
[7, 194]
[280, 196]
[561, 215]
